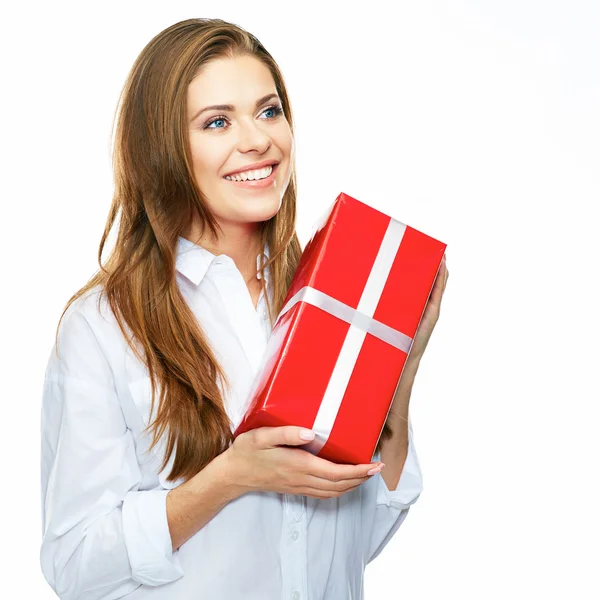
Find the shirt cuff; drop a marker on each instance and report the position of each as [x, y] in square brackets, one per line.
[409, 486]
[148, 539]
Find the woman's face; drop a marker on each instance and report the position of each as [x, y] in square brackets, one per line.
[226, 140]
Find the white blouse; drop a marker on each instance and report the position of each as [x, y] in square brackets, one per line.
[105, 531]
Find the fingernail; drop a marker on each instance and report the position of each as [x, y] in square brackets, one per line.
[376, 470]
[307, 434]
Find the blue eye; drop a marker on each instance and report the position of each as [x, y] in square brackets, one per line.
[277, 110]
[274, 109]
[215, 121]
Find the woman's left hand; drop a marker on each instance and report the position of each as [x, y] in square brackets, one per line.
[430, 316]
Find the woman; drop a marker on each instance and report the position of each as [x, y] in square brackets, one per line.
[166, 339]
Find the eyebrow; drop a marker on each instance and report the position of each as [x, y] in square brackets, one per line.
[230, 107]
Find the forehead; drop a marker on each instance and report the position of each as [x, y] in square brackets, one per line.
[238, 81]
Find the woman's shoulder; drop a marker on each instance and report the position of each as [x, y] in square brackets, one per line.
[91, 315]
[92, 306]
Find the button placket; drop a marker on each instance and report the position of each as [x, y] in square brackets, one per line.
[294, 546]
[294, 505]
[241, 313]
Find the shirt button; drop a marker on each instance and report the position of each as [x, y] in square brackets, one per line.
[295, 535]
[296, 596]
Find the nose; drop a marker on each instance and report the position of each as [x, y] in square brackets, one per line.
[253, 137]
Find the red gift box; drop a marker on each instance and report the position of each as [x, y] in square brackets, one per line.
[341, 340]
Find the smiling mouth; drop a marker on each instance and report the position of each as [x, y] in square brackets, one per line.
[273, 169]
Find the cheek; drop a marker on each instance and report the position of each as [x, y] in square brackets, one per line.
[285, 141]
[290, 151]
[209, 152]
[205, 163]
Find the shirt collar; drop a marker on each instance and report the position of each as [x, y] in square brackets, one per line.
[193, 261]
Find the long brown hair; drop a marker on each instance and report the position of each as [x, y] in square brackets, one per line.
[157, 197]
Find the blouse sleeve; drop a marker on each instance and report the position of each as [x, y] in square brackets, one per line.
[392, 506]
[102, 537]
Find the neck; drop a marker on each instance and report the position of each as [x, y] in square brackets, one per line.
[240, 243]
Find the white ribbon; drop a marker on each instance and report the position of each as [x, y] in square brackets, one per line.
[361, 322]
[350, 315]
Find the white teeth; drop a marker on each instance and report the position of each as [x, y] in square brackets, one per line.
[251, 175]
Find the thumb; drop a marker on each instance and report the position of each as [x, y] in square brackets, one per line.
[288, 435]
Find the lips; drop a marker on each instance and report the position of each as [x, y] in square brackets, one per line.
[253, 180]
[253, 167]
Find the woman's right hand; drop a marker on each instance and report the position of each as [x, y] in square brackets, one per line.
[260, 463]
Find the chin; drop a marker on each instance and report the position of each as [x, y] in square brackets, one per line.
[262, 211]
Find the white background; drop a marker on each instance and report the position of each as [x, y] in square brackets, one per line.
[476, 122]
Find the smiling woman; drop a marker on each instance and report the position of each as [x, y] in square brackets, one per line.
[166, 339]
[249, 132]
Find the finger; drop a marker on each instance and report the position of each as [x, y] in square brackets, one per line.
[315, 492]
[324, 469]
[287, 435]
[333, 486]
[435, 296]
[440, 278]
